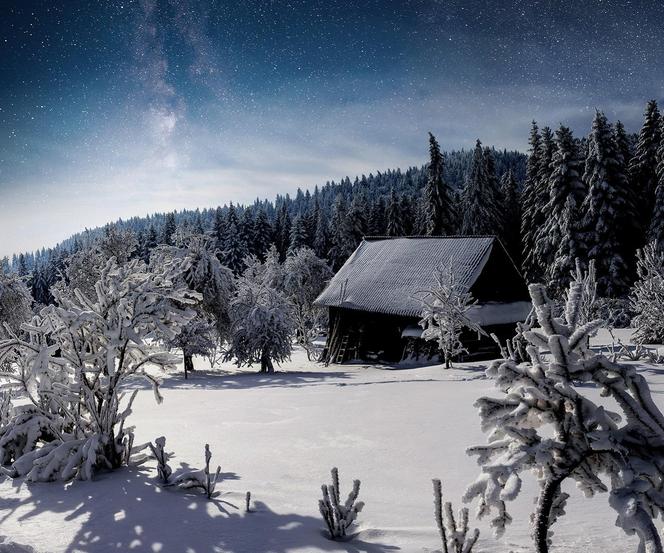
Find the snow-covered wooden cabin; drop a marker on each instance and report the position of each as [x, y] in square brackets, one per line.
[373, 300]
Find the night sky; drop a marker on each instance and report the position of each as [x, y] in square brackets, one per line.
[111, 109]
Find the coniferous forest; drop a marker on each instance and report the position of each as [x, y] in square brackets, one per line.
[596, 196]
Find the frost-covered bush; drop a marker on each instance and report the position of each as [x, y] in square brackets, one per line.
[339, 516]
[545, 423]
[261, 321]
[15, 304]
[304, 277]
[647, 297]
[200, 478]
[160, 454]
[74, 364]
[445, 313]
[453, 531]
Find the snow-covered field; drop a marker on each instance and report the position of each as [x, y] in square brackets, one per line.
[278, 436]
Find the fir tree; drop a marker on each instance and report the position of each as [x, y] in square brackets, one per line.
[481, 203]
[394, 219]
[262, 234]
[168, 230]
[511, 221]
[299, 236]
[218, 227]
[643, 165]
[438, 215]
[282, 231]
[341, 234]
[528, 202]
[357, 217]
[561, 239]
[606, 181]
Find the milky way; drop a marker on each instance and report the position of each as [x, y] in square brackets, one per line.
[115, 108]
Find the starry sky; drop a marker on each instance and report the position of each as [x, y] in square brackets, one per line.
[114, 108]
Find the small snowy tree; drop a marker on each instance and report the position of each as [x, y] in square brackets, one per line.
[647, 297]
[160, 454]
[75, 363]
[304, 278]
[202, 479]
[545, 423]
[445, 313]
[453, 531]
[261, 320]
[339, 516]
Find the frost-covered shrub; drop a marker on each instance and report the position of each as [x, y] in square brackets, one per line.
[647, 297]
[200, 478]
[160, 454]
[261, 321]
[339, 516]
[304, 278]
[74, 363]
[453, 531]
[15, 304]
[445, 313]
[546, 424]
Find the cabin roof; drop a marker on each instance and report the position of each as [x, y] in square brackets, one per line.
[386, 275]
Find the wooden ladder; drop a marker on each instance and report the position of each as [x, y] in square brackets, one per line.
[339, 358]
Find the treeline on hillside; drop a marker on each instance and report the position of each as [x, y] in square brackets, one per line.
[332, 220]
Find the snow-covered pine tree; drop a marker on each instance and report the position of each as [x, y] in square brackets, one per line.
[358, 217]
[247, 230]
[117, 242]
[234, 247]
[607, 184]
[74, 365]
[282, 231]
[218, 228]
[262, 234]
[481, 201]
[561, 239]
[261, 321]
[643, 165]
[168, 230]
[341, 234]
[529, 206]
[438, 210]
[546, 423]
[394, 225]
[647, 295]
[377, 218]
[304, 278]
[445, 312]
[321, 246]
[511, 216]
[299, 236]
[535, 260]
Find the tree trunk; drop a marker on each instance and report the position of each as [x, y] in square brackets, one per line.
[188, 364]
[543, 515]
[266, 363]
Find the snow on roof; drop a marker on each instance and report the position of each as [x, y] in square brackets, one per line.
[385, 275]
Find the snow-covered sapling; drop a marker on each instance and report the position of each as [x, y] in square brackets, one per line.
[159, 452]
[453, 532]
[445, 312]
[337, 516]
[201, 478]
[546, 423]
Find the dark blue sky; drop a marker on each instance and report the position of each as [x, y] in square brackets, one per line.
[117, 108]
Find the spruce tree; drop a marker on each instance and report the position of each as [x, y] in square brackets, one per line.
[561, 241]
[534, 261]
[511, 220]
[357, 216]
[218, 226]
[341, 234]
[282, 231]
[262, 234]
[528, 206]
[643, 165]
[394, 219]
[299, 236]
[481, 203]
[438, 215]
[321, 245]
[606, 181]
[168, 230]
